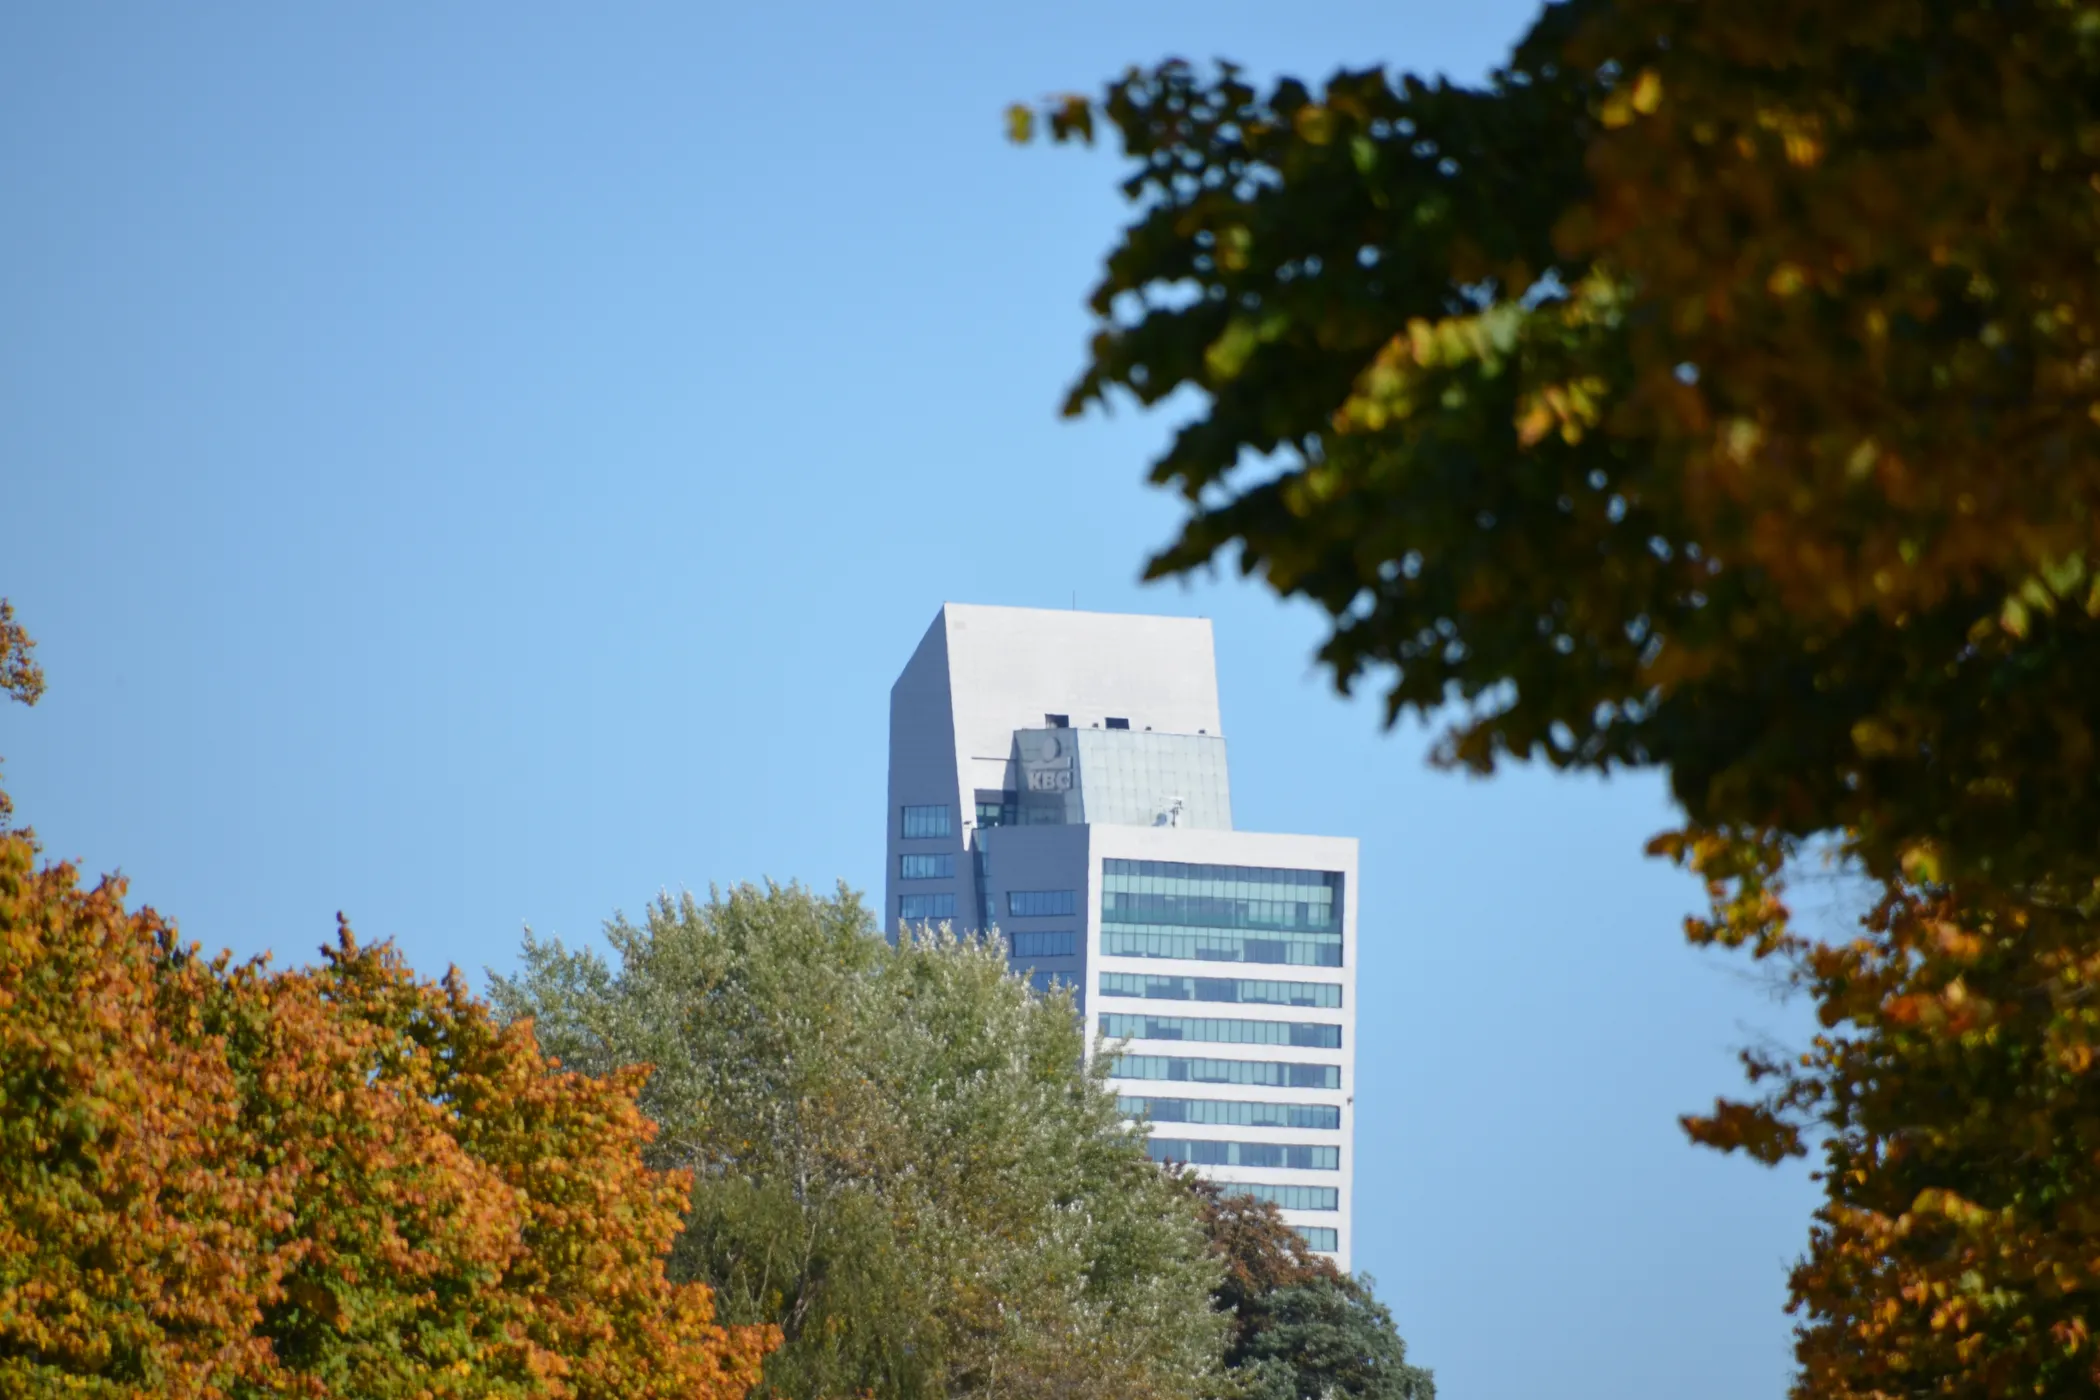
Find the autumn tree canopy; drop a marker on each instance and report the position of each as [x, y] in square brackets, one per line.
[899, 1158]
[1714, 389]
[219, 1181]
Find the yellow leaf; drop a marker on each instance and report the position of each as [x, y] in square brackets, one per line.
[1315, 124]
[1647, 92]
[1874, 739]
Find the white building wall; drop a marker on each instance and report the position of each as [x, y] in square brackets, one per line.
[1244, 848]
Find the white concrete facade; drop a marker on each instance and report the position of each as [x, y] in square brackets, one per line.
[1223, 961]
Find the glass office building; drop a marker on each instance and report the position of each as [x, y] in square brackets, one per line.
[1061, 778]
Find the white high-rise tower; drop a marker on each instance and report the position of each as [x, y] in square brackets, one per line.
[1061, 777]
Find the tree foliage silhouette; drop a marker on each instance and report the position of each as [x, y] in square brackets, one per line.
[1714, 389]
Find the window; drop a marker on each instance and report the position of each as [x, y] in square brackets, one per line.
[1233, 989]
[1222, 1030]
[1221, 896]
[1221, 913]
[1144, 941]
[1117, 722]
[1321, 1239]
[925, 823]
[940, 867]
[1290, 1156]
[1041, 904]
[1045, 945]
[1043, 983]
[926, 906]
[1271, 1073]
[1057, 721]
[1232, 1113]
[995, 808]
[1291, 1197]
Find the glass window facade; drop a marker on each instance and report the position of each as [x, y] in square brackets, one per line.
[1232, 1113]
[1291, 1197]
[1272, 1073]
[926, 906]
[930, 867]
[1221, 1030]
[1044, 982]
[924, 823]
[1059, 943]
[1322, 1239]
[1221, 913]
[1038, 904]
[1124, 777]
[1141, 941]
[1234, 989]
[1290, 1156]
[998, 808]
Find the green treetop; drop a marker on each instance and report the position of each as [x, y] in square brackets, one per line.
[899, 1157]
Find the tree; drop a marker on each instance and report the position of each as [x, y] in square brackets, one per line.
[1301, 1329]
[21, 678]
[1714, 390]
[1328, 1339]
[900, 1160]
[219, 1181]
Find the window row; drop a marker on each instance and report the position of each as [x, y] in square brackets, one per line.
[1213, 945]
[1321, 1239]
[1219, 874]
[1043, 983]
[1272, 1073]
[1010, 812]
[925, 823]
[1226, 884]
[931, 867]
[1218, 911]
[1290, 1156]
[1222, 1030]
[1065, 721]
[926, 906]
[1042, 904]
[1232, 1113]
[1059, 943]
[1291, 1197]
[1233, 989]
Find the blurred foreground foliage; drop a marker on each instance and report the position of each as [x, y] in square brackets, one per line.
[1714, 389]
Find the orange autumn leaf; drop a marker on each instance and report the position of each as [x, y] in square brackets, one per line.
[219, 1180]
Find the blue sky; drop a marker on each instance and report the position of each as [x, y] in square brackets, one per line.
[473, 466]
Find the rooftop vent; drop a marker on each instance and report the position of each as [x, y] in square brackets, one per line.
[1118, 722]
